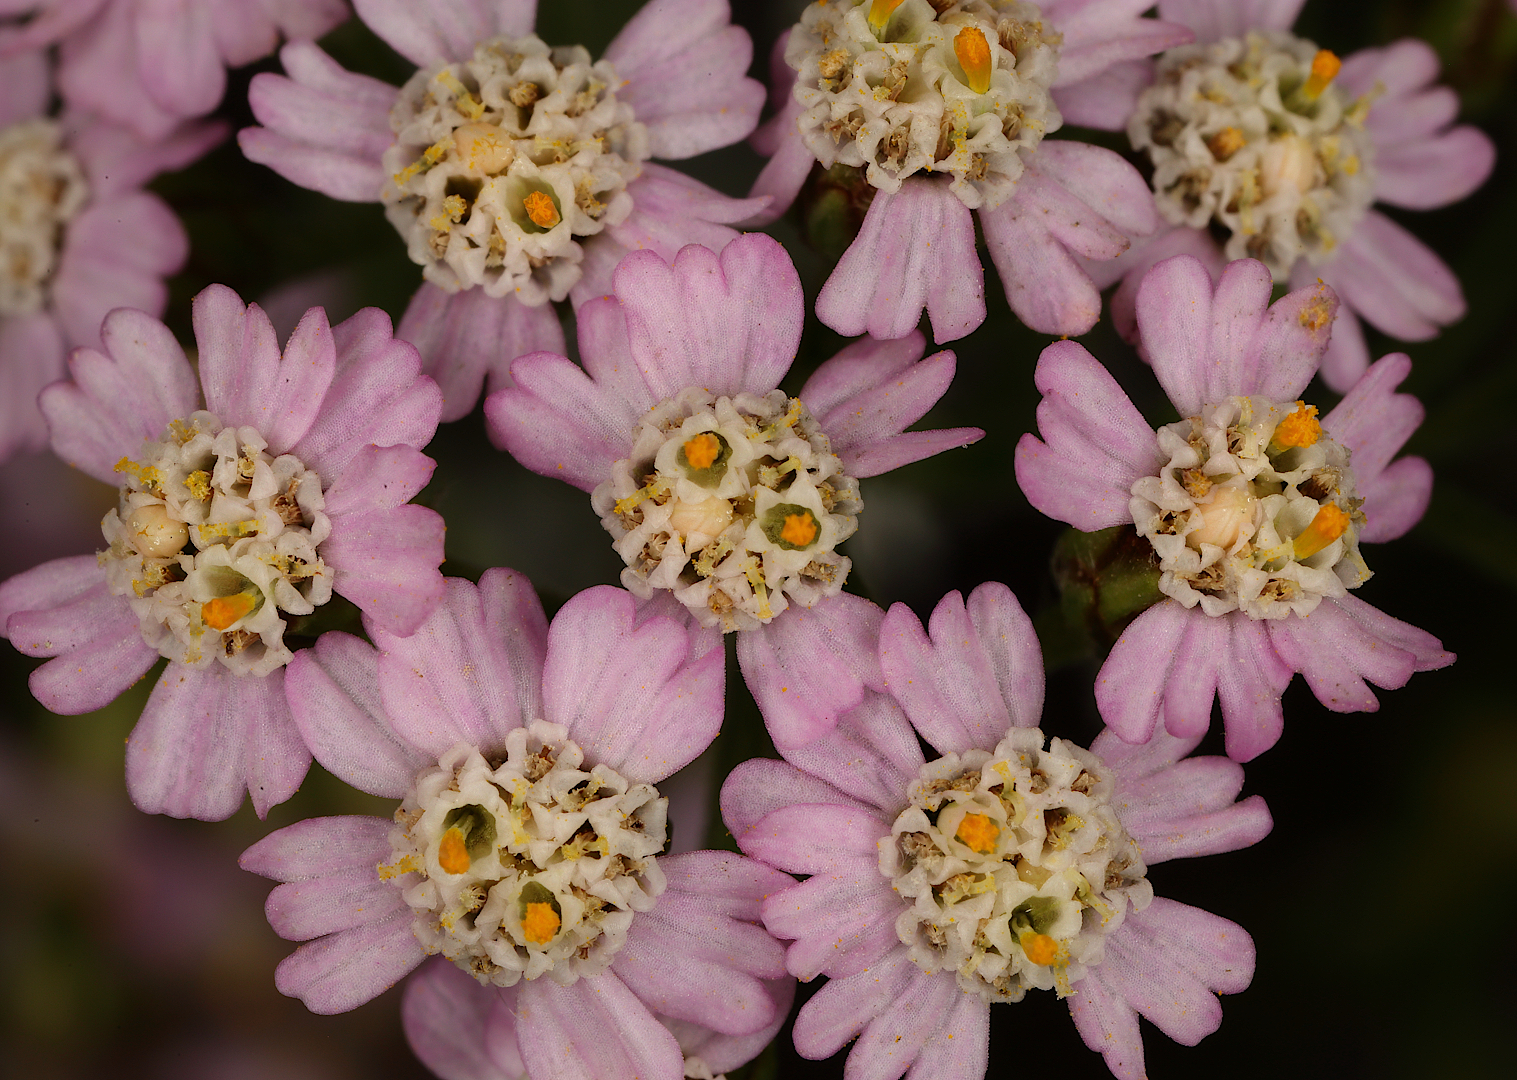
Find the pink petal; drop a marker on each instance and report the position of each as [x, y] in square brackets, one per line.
[728, 322]
[1104, 101]
[1347, 354]
[1099, 33]
[914, 1026]
[728, 1053]
[842, 921]
[117, 161]
[445, 30]
[449, 1020]
[49, 24]
[465, 335]
[811, 666]
[1130, 687]
[247, 382]
[980, 673]
[684, 70]
[1101, 190]
[595, 1027]
[1346, 643]
[1188, 809]
[781, 180]
[871, 755]
[333, 902]
[207, 735]
[1131, 267]
[323, 106]
[386, 562]
[333, 691]
[378, 478]
[638, 699]
[455, 680]
[959, 1048]
[816, 838]
[842, 1008]
[31, 357]
[333, 173]
[1109, 1026]
[344, 970]
[1095, 442]
[1435, 171]
[316, 847]
[1213, 19]
[1372, 420]
[1395, 70]
[93, 636]
[377, 396]
[100, 72]
[116, 254]
[1395, 500]
[916, 250]
[25, 77]
[760, 786]
[1395, 282]
[177, 57]
[49, 585]
[861, 366]
[118, 399]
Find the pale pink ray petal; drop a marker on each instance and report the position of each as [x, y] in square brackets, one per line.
[324, 106]
[840, 921]
[1290, 342]
[92, 634]
[1099, 33]
[909, 1027]
[33, 349]
[871, 755]
[1372, 420]
[316, 847]
[117, 161]
[386, 562]
[1395, 500]
[337, 901]
[49, 585]
[344, 970]
[1347, 354]
[596, 1027]
[859, 367]
[809, 668]
[1131, 684]
[959, 1048]
[916, 250]
[1191, 685]
[728, 1053]
[333, 691]
[99, 71]
[783, 176]
[810, 838]
[637, 698]
[1106, 99]
[448, 1019]
[1249, 686]
[1395, 282]
[1213, 19]
[1109, 1026]
[842, 1008]
[445, 30]
[1095, 443]
[760, 786]
[333, 173]
[1435, 171]
[178, 61]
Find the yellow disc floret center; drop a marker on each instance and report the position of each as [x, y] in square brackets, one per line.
[1300, 428]
[973, 51]
[701, 452]
[978, 833]
[540, 923]
[540, 210]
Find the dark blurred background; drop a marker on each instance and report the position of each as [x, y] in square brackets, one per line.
[1382, 904]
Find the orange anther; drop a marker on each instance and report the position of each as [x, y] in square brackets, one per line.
[1329, 524]
[540, 923]
[541, 210]
[702, 450]
[453, 853]
[978, 833]
[1040, 948]
[1325, 66]
[1300, 428]
[799, 529]
[223, 611]
[973, 51]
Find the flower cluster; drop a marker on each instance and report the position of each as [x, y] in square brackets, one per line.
[924, 836]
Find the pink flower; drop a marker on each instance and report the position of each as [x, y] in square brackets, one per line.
[934, 156]
[149, 64]
[248, 495]
[1255, 508]
[505, 734]
[500, 228]
[937, 888]
[1292, 173]
[716, 485]
[96, 241]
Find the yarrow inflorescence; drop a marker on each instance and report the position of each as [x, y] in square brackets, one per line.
[737, 504]
[898, 87]
[1254, 134]
[501, 161]
[42, 189]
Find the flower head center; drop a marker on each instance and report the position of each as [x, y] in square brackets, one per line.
[733, 503]
[42, 188]
[528, 864]
[1253, 134]
[503, 160]
[1014, 865]
[1256, 510]
[214, 541]
[900, 87]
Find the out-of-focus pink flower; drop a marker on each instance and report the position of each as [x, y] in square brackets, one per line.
[149, 64]
[1266, 135]
[1254, 507]
[961, 141]
[249, 493]
[500, 226]
[694, 459]
[505, 734]
[937, 888]
[78, 235]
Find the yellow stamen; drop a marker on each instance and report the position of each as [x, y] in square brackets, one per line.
[973, 52]
[978, 833]
[223, 611]
[1225, 143]
[1329, 524]
[540, 923]
[880, 12]
[1325, 67]
[453, 853]
[1040, 948]
[1300, 428]
[799, 529]
[702, 450]
[541, 210]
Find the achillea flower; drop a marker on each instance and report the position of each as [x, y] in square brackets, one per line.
[527, 846]
[78, 235]
[937, 888]
[1255, 507]
[1285, 148]
[715, 484]
[149, 64]
[249, 494]
[945, 106]
[516, 173]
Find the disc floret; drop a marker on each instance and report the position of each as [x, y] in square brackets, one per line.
[1015, 866]
[213, 540]
[736, 504]
[1255, 510]
[959, 88]
[42, 188]
[1254, 134]
[501, 161]
[530, 864]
